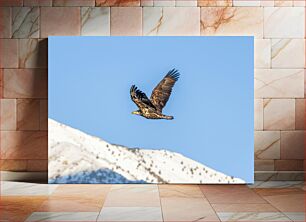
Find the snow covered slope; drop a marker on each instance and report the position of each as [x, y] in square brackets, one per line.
[75, 157]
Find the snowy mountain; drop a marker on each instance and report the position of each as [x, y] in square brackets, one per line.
[75, 157]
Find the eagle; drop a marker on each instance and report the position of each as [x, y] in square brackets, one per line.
[152, 108]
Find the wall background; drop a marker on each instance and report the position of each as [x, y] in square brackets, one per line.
[278, 26]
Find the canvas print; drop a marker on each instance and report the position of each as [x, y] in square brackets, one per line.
[151, 110]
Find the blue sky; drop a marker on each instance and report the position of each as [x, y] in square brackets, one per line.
[212, 102]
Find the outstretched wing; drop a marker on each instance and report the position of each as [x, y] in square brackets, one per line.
[140, 98]
[161, 93]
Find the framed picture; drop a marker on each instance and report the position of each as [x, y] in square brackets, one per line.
[151, 110]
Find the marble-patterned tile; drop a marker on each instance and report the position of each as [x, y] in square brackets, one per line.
[126, 21]
[292, 144]
[258, 114]
[73, 2]
[43, 114]
[278, 22]
[97, 191]
[262, 53]
[288, 53]
[130, 214]
[37, 165]
[164, 3]
[123, 3]
[263, 165]
[267, 144]
[295, 216]
[8, 53]
[279, 83]
[232, 21]
[13, 165]
[253, 216]
[71, 204]
[248, 3]
[187, 209]
[52, 16]
[95, 21]
[279, 114]
[188, 191]
[5, 3]
[33, 53]
[8, 114]
[24, 144]
[9, 188]
[25, 83]
[230, 194]
[277, 184]
[279, 176]
[283, 3]
[28, 114]
[18, 208]
[211, 3]
[37, 2]
[186, 3]
[299, 3]
[305, 83]
[25, 22]
[289, 165]
[284, 199]
[300, 114]
[159, 21]
[5, 22]
[63, 216]
[146, 3]
[1, 85]
[263, 207]
[133, 196]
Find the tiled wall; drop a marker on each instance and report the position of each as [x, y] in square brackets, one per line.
[278, 27]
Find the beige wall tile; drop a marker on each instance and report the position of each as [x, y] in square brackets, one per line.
[73, 2]
[28, 114]
[212, 3]
[146, 2]
[8, 53]
[292, 144]
[25, 22]
[5, 22]
[1, 83]
[126, 21]
[262, 53]
[279, 114]
[43, 116]
[299, 3]
[25, 83]
[288, 53]
[264, 165]
[267, 145]
[24, 145]
[289, 165]
[186, 3]
[246, 3]
[95, 21]
[232, 21]
[278, 22]
[33, 53]
[8, 114]
[117, 3]
[4, 3]
[37, 2]
[13, 165]
[159, 21]
[163, 3]
[37, 165]
[51, 17]
[279, 83]
[300, 114]
[266, 3]
[258, 114]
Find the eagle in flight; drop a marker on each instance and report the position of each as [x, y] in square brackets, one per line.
[152, 108]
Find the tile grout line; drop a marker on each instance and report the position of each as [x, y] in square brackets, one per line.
[161, 208]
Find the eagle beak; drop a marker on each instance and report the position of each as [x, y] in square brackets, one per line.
[133, 112]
